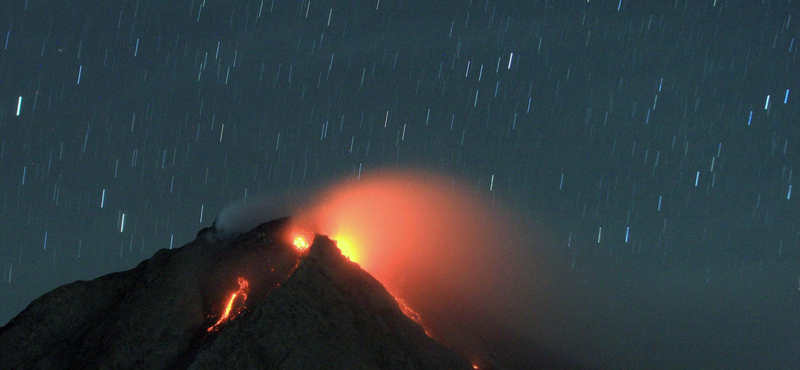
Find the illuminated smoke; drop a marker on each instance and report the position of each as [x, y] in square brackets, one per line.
[402, 225]
[435, 244]
[466, 266]
[474, 274]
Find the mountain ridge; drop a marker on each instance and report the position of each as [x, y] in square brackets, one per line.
[157, 314]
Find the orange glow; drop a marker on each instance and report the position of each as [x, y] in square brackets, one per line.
[301, 238]
[300, 243]
[348, 249]
[413, 315]
[244, 287]
[228, 308]
[412, 229]
[439, 243]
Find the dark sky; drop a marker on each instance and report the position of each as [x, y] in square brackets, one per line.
[652, 143]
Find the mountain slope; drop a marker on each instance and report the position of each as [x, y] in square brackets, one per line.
[311, 310]
[329, 314]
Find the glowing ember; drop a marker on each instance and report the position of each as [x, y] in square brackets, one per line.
[300, 243]
[244, 287]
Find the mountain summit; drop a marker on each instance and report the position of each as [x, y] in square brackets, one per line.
[251, 302]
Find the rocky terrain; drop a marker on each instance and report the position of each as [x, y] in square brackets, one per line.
[310, 309]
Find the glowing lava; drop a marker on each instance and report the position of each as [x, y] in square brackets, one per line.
[413, 315]
[300, 243]
[300, 240]
[244, 287]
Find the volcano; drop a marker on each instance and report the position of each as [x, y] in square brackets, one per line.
[252, 302]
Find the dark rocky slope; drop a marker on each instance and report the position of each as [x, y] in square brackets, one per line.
[314, 311]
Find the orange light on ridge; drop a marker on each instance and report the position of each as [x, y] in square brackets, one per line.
[299, 238]
[347, 248]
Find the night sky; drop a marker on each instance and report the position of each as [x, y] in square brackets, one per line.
[651, 144]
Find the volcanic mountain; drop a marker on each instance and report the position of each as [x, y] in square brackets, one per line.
[250, 302]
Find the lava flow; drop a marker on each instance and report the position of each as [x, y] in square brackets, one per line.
[244, 287]
[413, 315]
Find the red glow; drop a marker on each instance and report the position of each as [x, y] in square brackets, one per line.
[244, 287]
[408, 228]
[447, 251]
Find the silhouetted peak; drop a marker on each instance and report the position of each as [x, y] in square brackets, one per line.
[251, 302]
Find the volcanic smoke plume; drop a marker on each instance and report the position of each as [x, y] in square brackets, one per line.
[282, 295]
[470, 272]
[409, 229]
[458, 260]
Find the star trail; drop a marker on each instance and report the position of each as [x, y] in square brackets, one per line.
[651, 145]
